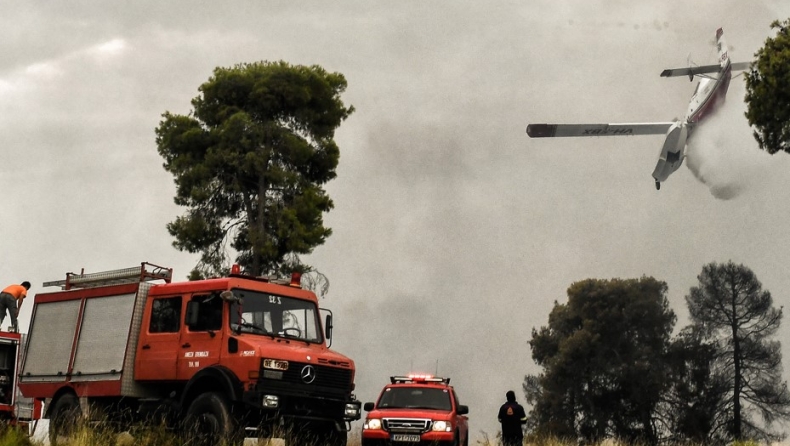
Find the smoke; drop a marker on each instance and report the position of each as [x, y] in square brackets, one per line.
[723, 154]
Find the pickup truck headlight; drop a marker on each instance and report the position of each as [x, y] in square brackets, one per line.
[372, 424]
[441, 426]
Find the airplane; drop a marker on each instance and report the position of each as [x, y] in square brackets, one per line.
[709, 94]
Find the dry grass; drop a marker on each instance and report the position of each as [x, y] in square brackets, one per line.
[99, 436]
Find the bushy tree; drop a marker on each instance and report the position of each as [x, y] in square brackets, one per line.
[602, 358]
[250, 162]
[732, 310]
[768, 91]
[692, 407]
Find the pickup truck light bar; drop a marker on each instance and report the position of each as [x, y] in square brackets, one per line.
[418, 379]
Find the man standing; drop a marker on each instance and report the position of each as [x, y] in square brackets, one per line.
[11, 300]
[512, 416]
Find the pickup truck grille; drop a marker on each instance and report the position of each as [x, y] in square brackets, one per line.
[407, 424]
[332, 377]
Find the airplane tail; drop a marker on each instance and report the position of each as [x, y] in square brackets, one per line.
[721, 46]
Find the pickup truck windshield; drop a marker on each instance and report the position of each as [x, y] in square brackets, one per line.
[272, 315]
[415, 398]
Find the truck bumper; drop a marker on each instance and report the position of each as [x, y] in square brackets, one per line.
[277, 405]
[383, 438]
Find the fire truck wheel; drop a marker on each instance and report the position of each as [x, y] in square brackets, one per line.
[63, 420]
[209, 420]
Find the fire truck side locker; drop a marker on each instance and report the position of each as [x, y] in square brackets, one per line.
[101, 326]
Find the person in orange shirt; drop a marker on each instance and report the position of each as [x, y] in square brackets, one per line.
[11, 300]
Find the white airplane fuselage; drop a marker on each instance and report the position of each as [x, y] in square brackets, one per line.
[708, 96]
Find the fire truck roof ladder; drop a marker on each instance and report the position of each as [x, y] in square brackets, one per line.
[143, 273]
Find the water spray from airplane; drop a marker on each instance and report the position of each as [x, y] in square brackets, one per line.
[725, 157]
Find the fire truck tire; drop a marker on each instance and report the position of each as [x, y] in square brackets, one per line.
[63, 420]
[209, 421]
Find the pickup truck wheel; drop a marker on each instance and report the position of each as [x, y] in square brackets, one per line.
[209, 421]
[63, 420]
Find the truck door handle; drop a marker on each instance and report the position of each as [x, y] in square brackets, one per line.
[187, 345]
[146, 347]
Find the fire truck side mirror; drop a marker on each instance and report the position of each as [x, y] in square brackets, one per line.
[368, 407]
[328, 326]
[463, 410]
[192, 313]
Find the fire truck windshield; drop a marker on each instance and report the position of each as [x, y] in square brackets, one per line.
[415, 398]
[272, 315]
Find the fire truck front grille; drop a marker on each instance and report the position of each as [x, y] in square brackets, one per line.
[325, 376]
[406, 424]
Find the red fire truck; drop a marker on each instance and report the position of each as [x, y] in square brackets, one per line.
[227, 358]
[416, 410]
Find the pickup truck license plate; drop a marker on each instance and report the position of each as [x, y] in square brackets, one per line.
[403, 437]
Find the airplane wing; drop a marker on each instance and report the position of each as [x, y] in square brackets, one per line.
[691, 71]
[565, 130]
[737, 66]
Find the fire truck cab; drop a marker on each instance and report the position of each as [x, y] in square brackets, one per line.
[416, 410]
[228, 357]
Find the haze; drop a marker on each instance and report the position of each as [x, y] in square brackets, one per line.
[454, 233]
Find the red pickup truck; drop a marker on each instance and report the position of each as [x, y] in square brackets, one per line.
[416, 410]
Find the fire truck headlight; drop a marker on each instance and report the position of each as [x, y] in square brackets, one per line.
[372, 424]
[352, 411]
[441, 426]
[271, 401]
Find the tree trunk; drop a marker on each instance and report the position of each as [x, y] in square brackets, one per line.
[736, 352]
[257, 231]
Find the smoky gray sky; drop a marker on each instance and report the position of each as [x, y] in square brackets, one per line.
[454, 233]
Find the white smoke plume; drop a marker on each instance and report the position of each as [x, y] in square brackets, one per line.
[723, 154]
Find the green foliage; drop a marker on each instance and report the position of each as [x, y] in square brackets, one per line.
[602, 357]
[768, 91]
[732, 311]
[691, 408]
[249, 164]
[14, 437]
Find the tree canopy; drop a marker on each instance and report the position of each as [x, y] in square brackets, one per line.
[250, 162]
[692, 408]
[730, 308]
[768, 91]
[601, 358]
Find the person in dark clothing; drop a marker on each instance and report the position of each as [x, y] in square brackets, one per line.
[512, 417]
